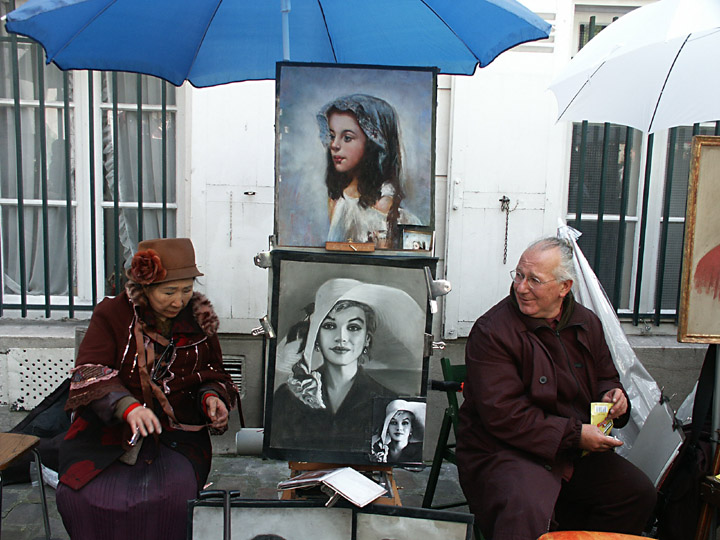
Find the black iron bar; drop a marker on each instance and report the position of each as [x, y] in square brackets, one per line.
[20, 191]
[581, 175]
[116, 187]
[601, 201]
[163, 132]
[622, 226]
[643, 230]
[138, 88]
[42, 132]
[93, 217]
[665, 226]
[68, 196]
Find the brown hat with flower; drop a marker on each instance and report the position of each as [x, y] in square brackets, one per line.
[163, 259]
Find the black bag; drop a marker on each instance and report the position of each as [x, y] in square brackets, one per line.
[679, 502]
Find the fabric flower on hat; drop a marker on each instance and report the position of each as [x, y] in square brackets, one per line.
[147, 267]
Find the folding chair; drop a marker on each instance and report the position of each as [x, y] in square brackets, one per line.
[454, 377]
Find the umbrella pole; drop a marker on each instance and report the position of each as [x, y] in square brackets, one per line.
[285, 8]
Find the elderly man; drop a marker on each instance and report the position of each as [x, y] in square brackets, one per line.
[529, 460]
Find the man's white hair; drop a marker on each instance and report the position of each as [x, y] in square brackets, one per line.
[566, 269]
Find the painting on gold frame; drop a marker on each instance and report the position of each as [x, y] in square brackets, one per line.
[699, 320]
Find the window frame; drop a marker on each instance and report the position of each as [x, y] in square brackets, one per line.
[88, 285]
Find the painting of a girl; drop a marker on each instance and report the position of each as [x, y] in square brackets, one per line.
[326, 401]
[355, 154]
[364, 169]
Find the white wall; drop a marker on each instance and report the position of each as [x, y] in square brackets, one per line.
[231, 181]
[504, 143]
[496, 136]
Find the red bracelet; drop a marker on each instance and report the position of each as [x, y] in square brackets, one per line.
[130, 409]
[204, 401]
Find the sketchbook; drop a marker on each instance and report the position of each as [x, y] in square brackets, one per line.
[345, 482]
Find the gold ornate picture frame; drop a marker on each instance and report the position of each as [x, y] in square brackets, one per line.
[699, 317]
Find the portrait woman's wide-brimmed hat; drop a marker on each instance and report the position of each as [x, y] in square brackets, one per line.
[163, 259]
[398, 338]
[417, 408]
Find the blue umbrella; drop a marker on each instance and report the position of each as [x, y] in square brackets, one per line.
[211, 42]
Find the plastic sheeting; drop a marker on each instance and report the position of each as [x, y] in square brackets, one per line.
[641, 388]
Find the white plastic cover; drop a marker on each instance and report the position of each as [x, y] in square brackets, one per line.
[642, 389]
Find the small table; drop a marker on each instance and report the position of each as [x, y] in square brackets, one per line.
[12, 447]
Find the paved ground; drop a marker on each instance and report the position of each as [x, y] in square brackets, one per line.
[254, 477]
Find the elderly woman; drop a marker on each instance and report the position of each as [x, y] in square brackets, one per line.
[401, 437]
[327, 401]
[147, 387]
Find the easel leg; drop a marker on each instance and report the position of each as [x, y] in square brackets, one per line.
[437, 461]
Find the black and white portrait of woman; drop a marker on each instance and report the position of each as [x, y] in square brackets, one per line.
[347, 343]
[399, 436]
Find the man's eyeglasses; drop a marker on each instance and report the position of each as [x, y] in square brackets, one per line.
[532, 282]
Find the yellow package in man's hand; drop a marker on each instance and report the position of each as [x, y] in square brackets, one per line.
[598, 416]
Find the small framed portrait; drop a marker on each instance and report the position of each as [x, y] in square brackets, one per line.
[350, 331]
[699, 320]
[417, 240]
[398, 431]
[355, 153]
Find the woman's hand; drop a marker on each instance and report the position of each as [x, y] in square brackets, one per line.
[143, 420]
[217, 412]
[620, 404]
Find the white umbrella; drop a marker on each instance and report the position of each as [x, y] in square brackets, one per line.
[654, 68]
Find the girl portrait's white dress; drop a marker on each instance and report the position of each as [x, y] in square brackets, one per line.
[352, 223]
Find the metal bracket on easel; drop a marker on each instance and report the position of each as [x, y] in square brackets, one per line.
[265, 328]
[435, 288]
[263, 259]
[430, 346]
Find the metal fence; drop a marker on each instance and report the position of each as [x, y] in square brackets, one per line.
[87, 169]
[609, 202]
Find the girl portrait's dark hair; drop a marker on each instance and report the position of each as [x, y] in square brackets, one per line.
[380, 164]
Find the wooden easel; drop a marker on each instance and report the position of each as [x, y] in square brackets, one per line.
[298, 467]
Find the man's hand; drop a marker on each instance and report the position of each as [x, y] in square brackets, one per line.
[143, 420]
[217, 412]
[594, 440]
[620, 406]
